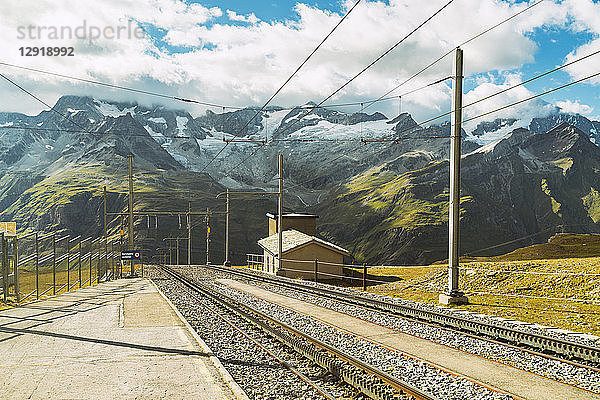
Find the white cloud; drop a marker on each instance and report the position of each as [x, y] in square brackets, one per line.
[244, 64]
[587, 67]
[586, 17]
[574, 107]
[251, 18]
[523, 112]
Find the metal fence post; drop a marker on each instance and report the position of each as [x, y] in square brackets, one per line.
[316, 270]
[79, 263]
[106, 256]
[4, 269]
[364, 276]
[120, 261]
[68, 263]
[99, 261]
[112, 258]
[37, 266]
[53, 263]
[16, 260]
[91, 249]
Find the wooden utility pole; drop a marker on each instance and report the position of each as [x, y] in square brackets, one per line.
[207, 236]
[280, 217]
[190, 233]
[130, 230]
[454, 295]
[227, 262]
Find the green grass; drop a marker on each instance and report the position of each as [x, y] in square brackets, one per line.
[561, 245]
[424, 285]
[591, 202]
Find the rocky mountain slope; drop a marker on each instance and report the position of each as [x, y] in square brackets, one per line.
[517, 191]
[54, 164]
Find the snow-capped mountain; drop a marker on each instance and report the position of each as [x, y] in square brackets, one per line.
[321, 147]
[324, 151]
[487, 132]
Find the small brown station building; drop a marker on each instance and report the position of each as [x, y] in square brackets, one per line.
[300, 249]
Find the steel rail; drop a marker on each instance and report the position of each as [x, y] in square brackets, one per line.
[303, 377]
[377, 386]
[541, 342]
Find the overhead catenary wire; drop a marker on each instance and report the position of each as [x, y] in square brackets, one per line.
[286, 81]
[209, 104]
[347, 82]
[120, 87]
[69, 131]
[368, 102]
[50, 107]
[40, 101]
[477, 116]
[440, 58]
[514, 87]
[215, 105]
[506, 90]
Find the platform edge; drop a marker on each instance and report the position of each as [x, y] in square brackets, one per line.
[227, 378]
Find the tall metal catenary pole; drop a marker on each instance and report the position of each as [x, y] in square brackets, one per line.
[207, 236]
[280, 216]
[190, 233]
[105, 237]
[105, 228]
[130, 230]
[227, 262]
[454, 295]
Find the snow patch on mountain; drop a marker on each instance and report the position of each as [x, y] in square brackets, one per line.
[181, 124]
[111, 110]
[181, 159]
[156, 135]
[491, 137]
[328, 130]
[159, 120]
[214, 141]
[271, 120]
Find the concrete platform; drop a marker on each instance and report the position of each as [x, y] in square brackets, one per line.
[116, 340]
[501, 377]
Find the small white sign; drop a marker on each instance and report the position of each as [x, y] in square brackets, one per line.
[8, 228]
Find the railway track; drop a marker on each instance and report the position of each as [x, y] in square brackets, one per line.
[536, 343]
[364, 377]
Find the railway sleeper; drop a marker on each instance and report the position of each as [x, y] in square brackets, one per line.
[319, 353]
[554, 346]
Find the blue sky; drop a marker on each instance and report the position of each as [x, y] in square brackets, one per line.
[271, 10]
[238, 53]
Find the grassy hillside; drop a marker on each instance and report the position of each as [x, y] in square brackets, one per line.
[71, 201]
[561, 245]
[539, 284]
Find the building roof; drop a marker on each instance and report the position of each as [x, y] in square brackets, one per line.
[293, 239]
[292, 215]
